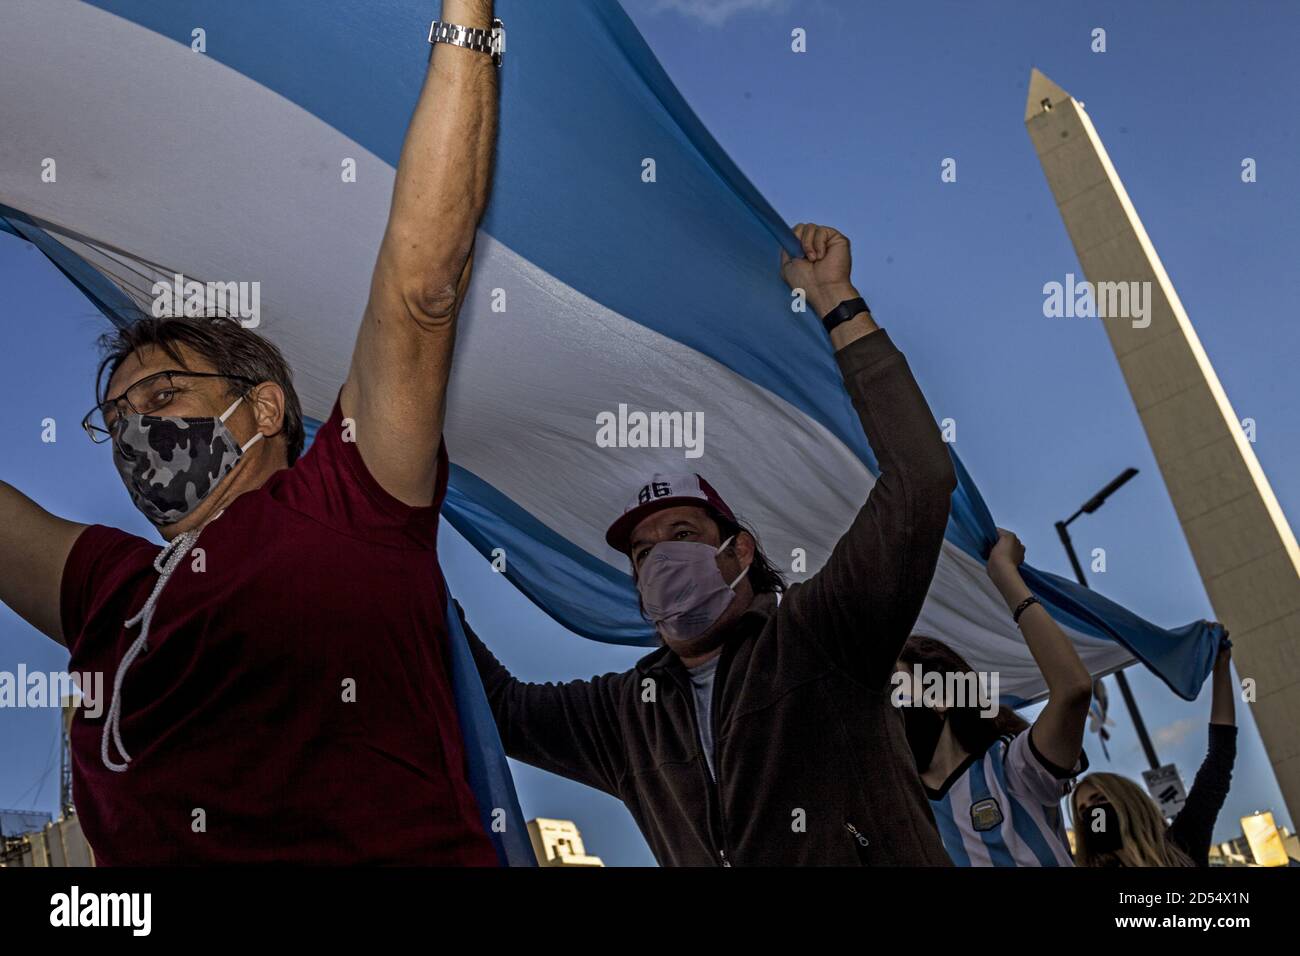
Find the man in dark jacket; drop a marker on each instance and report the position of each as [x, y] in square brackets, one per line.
[762, 732]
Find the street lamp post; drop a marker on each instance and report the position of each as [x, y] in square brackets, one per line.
[1093, 503]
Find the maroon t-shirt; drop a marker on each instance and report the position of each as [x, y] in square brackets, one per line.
[317, 588]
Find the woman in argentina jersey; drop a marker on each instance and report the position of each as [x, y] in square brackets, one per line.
[995, 783]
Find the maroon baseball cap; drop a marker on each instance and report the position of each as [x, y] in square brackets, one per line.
[664, 491]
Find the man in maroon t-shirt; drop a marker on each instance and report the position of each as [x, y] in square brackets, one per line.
[277, 676]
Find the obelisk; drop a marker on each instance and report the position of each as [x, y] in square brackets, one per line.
[1244, 549]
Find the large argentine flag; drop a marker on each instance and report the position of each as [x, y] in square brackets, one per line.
[228, 165]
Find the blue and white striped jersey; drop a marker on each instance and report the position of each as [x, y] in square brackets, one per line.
[1003, 807]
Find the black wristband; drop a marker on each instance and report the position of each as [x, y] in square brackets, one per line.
[1023, 606]
[845, 311]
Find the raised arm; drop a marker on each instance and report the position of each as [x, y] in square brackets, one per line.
[864, 601]
[1223, 705]
[1057, 734]
[570, 729]
[34, 547]
[1193, 828]
[397, 385]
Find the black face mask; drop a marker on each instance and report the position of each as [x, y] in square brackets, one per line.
[1100, 829]
[923, 727]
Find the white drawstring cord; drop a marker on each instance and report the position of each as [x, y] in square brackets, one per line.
[168, 560]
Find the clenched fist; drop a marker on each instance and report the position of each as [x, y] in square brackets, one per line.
[823, 272]
[1008, 551]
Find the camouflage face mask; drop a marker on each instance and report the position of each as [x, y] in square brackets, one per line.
[169, 464]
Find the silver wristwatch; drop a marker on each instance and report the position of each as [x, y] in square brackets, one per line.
[491, 42]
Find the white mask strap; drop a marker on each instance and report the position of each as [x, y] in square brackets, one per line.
[723, 547]
[229, 411]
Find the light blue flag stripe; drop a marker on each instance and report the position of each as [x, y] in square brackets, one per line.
[485, 758]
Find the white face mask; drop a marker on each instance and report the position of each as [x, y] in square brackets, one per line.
[683, 590]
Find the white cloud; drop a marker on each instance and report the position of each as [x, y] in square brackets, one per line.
[717, 12]
[1175, 733]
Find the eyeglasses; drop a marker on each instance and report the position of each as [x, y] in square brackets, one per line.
[148, 396]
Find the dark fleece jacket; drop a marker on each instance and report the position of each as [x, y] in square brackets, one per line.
[812, 763]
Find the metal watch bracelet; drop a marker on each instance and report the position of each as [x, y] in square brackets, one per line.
[492, 42]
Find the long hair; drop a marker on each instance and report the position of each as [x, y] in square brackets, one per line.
[1144, 839]
[764, 576]
[973, 730]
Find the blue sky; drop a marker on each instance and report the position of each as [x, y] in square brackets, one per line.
[853, 133]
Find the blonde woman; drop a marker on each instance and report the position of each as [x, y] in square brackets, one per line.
[1117, 824]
